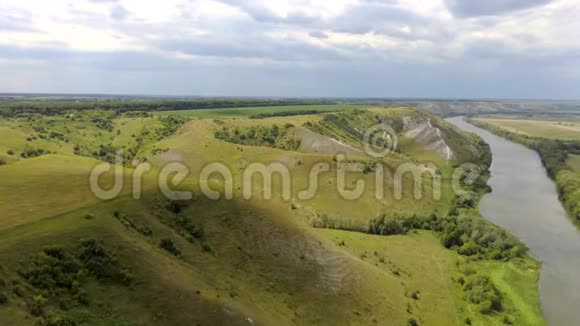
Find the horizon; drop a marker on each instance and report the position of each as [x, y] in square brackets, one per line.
[185, 97]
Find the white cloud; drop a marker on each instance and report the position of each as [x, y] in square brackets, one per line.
[345, 34]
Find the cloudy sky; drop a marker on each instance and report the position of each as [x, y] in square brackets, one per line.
[338, 48]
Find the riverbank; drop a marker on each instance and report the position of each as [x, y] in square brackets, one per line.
[554, 154]
[517, 277]
[525, 202]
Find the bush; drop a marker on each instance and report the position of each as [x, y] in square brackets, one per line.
[3, 298]
[481, 291]
[469, 249]
[32, 152]
[36, 305]
[60, 272]
[102, 263]
[144, 229]
[386, 226]
[53, 268]
[272, 136]
[10, 152]
[18, 290]
[56, 320]
[184, 225]
[2, 162]
[470, 236]
[415, 295]
[169, 246]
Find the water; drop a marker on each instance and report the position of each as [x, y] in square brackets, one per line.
[525, 201]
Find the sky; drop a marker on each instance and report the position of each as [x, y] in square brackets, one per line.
[293, 48]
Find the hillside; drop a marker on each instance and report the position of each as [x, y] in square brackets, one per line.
[69, 258]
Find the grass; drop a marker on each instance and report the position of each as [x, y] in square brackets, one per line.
[548, 128]
[81, 133]
[327, 202]
[517, 282]
[249, 111]
[428, 269]
[164, 288]
[46, 186]
[257, 259]
[574, 162]
[126, 130]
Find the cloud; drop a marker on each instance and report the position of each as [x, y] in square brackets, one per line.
[318, 35]
[385, 17]
[255, 9]
[253, 47]
[312, 47]
[475, 8]
[13, 23]
[119, 12]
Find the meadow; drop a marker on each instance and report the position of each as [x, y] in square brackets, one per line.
[245, 112]
[545, 127]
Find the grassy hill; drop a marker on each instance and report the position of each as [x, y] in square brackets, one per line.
[68, 258]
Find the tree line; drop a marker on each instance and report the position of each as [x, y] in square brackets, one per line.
[11, 109]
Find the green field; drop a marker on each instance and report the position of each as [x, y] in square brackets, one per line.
[574, 162]
[551, 128]
[249, 111]
[324, 260]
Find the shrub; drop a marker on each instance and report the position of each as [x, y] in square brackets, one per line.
[144, 230]
[2, 162]
[18, 290]
[272, 136]
[386, 226]
[32, 152]
[100, 262]
[130, 223]
[51, 269]
[36, 305]
[181, 224]
[205, 247]
[481, 291]
[59, 274]
[415, 295]
[169, 246]
[10, 152]
[469, 249]
[57, 320]
[508, 320]
[3, 298]
[469, 235]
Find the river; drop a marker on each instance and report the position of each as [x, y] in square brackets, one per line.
[525, 201]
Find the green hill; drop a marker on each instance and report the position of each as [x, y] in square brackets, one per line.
[69, 258]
